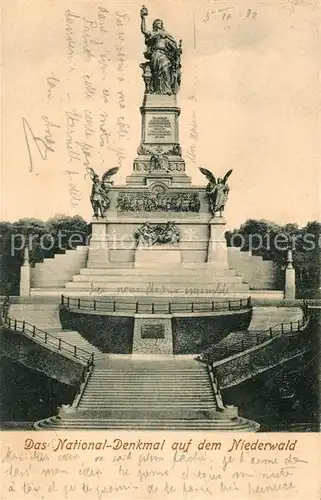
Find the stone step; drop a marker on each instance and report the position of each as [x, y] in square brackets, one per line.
[151, 394]
[139, 424]
[198, 281]
[165, 385]
[149, 402]
[56, 292]
[71, 259]
[131, 376]
[210, 288]
[61, 262]
[150, 385]
[152, 406]
[149, 370]
[133, 379]
[153, 364]
[140, 392]
[42, 273]
[157, 271]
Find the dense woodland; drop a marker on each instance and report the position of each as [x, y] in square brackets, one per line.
[261, 237]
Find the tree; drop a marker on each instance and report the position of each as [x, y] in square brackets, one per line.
[272, 241]
[44, 239]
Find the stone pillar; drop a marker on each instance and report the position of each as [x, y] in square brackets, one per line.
[217, 247]
[25, 272]
[289, 287]
[98, 247]
[159, 153]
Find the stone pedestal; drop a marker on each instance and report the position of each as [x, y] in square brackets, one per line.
[157, 255]
[25, 273]
[289, 288]
[217, 247]
[99, 245]
[153, 334]
[159, 153]
[159, 120]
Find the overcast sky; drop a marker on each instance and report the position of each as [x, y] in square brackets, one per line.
[249, 83]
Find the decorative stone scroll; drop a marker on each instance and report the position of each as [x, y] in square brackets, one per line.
[158, 201]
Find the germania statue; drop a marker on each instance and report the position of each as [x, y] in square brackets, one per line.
[162, 72]
[217, 191]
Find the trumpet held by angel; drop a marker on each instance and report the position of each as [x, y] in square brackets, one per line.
[217, 191]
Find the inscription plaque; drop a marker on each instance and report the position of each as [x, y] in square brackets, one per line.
[160, 128]
[153, 331]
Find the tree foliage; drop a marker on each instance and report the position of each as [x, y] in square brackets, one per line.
[271, 241]
[44, 239]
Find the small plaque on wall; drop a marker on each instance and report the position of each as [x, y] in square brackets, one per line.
[153, 331]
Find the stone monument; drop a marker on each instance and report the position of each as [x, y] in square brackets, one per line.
[158, 218]
[289, 286]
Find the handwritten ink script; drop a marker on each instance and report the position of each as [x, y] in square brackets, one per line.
[122, 465]
[82, 118]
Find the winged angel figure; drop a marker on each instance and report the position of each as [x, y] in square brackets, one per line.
[217, 191]
[100, 189]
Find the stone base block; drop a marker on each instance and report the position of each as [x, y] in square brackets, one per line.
[157, 255]
[25, 273]
[152, 334]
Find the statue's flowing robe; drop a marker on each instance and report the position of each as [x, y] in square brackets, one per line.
[219, 196]
[161, 61]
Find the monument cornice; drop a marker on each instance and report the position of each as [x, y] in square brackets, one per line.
[164, 109]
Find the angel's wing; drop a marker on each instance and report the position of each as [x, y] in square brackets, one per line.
[226, 176]
[92, 172]
[109, 173]
[209, 176]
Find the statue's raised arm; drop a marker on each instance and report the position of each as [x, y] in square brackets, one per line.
[143, 15]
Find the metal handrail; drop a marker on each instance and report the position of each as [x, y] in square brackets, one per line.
[222, 352]
[215, 387]
[46, 338]
[85, 376]
[111, 305]
[5, 304]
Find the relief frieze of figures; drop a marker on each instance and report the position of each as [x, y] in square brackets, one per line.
[158, 201]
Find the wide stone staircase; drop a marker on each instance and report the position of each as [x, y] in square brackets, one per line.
[265, 317]
[45, 316]
[179, 279]
[266, 323]
[149, 394]
[54, 272]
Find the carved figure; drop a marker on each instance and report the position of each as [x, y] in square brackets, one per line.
[149, 235]
[146, 235]
[168, 233]
[162, 72]
[217, 191]
[158, 201]
[99, 191]
[159, 162]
